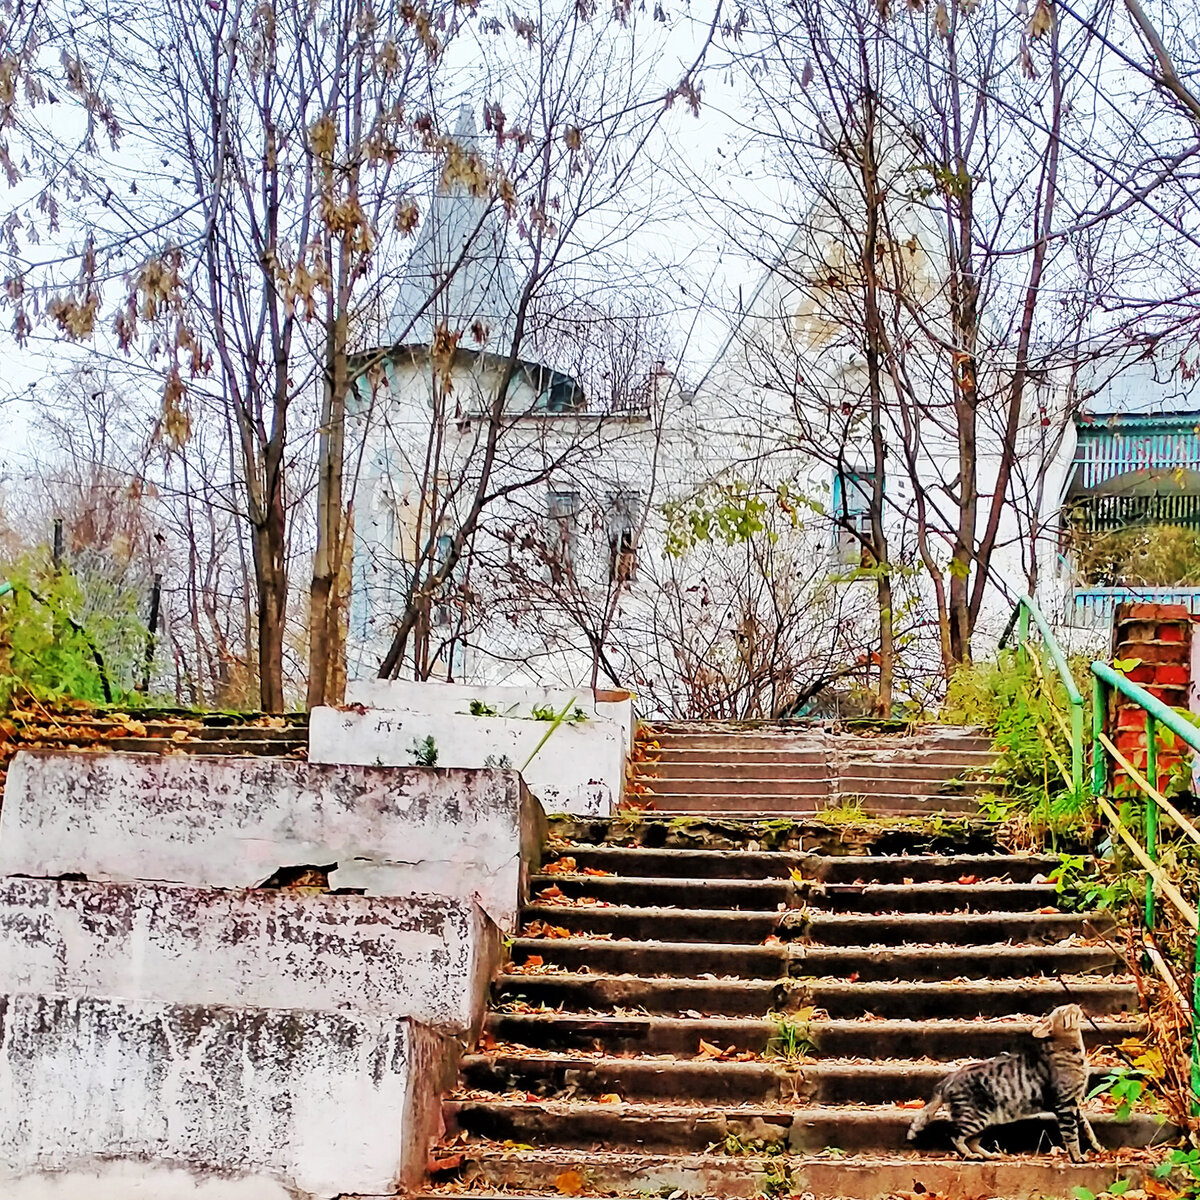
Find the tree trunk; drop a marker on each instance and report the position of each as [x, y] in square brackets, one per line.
[271, 576]
[327, 595]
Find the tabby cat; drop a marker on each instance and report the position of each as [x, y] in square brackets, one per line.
[1050, 1073]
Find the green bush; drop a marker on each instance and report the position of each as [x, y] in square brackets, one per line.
[59, 643]
[1008, 698]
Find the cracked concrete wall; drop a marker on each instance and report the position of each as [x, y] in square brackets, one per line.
[580, 769]
[210, 1102]
[424, 957]
[233, 822]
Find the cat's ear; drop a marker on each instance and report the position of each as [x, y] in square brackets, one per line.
[1043, 1027]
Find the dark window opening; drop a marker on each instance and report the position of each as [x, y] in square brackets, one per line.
[623, 513]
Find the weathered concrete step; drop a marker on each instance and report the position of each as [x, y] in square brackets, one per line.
[639, 861]
[737, 756]
[746, 997]
[767, 894]
[691, 784]
[759, 777]
[262, 748]
[696, 959]
[757, 805]
[929, 738]
[624, 1174]
[680, 1036]
[798, 1130]
[807, 787]
[797, 833]
[835, 929]
[796, 1080]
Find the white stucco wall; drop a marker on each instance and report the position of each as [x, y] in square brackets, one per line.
[424, 957]
[211, 1103]
[580, 768]
[233, 822]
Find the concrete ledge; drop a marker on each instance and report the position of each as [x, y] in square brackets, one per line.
[303, 1104]
[580, 769]
[430, 958]
[233, 822]
[443, 699]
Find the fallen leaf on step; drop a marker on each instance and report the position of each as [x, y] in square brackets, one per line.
[595, 871]
[772, 940]
[1048, 909]
[610, 1098]
[911, 1104]
[534, 960]
[708, 1050]
[554, 892]
[968, 879]
[180, 735]
[562, 866]
[569, 1183]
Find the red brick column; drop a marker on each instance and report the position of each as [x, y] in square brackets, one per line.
[1159, 637]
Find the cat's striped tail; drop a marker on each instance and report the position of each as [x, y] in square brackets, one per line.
[923, 1117]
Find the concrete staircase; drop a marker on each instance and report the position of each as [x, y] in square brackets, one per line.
[781, 768]
[162, 731]
[702, 1006]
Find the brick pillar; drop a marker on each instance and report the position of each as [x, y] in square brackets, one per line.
[1159, 636]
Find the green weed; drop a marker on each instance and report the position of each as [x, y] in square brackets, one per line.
[424, 751]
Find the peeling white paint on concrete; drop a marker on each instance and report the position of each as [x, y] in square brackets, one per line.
[425, 957]
[225, 822]
[321, 1103]
[433, 696]
[139, 1181]
[579, 769]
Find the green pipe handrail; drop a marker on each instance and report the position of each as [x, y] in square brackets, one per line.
[1026, 611]
[1105, 679]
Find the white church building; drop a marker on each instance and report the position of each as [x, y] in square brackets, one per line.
[696, 540]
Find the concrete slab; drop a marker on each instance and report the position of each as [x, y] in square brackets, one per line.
[233, 822]
[430, 958]
[211, 1102]
[579, 769]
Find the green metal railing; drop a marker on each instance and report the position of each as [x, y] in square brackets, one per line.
[1105, 681]
[1025, 614]
[1154, 805]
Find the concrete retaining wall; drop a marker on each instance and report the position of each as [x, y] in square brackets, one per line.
[233, 822]
[206, 1102]
[425, 957]
[579, 770]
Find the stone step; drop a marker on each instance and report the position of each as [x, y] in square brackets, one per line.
[638, 862]
[768, 894]
[835, 929]
[839, 999]
[772, 769]
[796, 785]
[746, 1129]
[669, 754]
[80, 730]
[806, 833]
[620, 1173]
[794, 1080]
[261, 748]
[698, 959]
[878, 804]
[843, 787]
[681, 1036]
